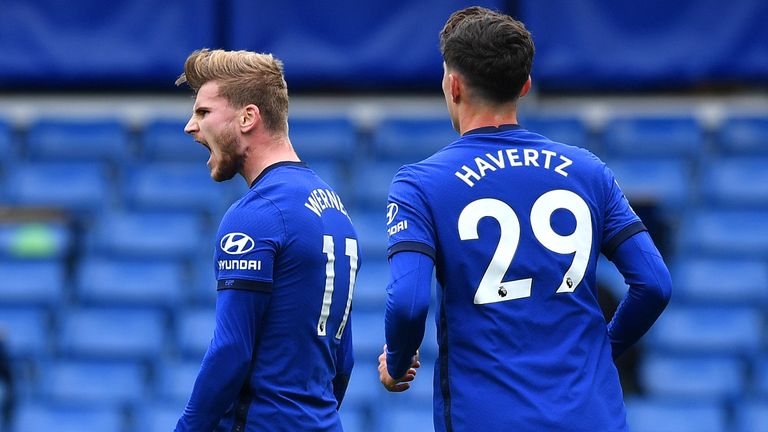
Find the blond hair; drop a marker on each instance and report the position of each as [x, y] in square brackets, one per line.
[244, 77]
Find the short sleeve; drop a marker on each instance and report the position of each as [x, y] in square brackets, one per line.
[409, 225]
[247, 242]
[620, 220]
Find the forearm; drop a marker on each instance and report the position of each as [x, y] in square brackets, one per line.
[408, 295]
[650, 288]
[227, 362]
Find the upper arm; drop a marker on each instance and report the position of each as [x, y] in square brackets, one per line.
[247, 243]
[409, 224]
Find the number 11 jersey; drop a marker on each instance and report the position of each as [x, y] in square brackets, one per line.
[515, 224]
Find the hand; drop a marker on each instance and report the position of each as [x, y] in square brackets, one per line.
[401, 384]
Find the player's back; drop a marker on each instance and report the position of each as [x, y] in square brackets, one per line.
[315, 262]
[519, 222]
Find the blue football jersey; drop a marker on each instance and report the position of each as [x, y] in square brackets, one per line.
[290, 235]
[515, 224]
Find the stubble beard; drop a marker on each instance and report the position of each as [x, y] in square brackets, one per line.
[230, 159]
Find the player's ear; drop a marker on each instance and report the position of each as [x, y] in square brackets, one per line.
[456, 87]
[250, 116]
[526, 87]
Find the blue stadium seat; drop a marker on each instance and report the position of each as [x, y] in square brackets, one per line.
[679, 136]
[148, 235]
[174, 186]
[335, 174]
[695, 378]
[32, 282]
[154, 416]
[74, 186]
[368, 334]
[370, 288]
[661, 181]
[8, 147]
[78, 139]
[27, 331]
[113, 333]
[371, 228]
[410, 139]
[721, 281]
[364, 388]
[95, 382]
[164, 140]
[194, 331]
[744, 135]
[736, 182]
[736, 330]
[566, 129]
[370, 184]
[323, 138]
[354, 419]
[724, 233]
[760, 371]
[664, 415]
[414, 417]
[41, 416]
[128, 282]
[174, 380]
[34, 240]
[751, 415]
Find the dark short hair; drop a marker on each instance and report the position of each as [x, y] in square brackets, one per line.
[493, 51]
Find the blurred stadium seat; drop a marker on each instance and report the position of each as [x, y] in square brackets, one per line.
[323, 138]
[656, 136]
[163, 139]
[368, 334]
[720, 280]
[566, 129]
[371, 228]
[75, 186]
[751, 416]
[743, 134]
[84, 139]
[174, 187]
[174, 381]
[658, 181]
[113, 333]
[128, 282]
[702, 378]
[411, 139]
[40, 416]
[724, 233]
[146, 235]
[154, 416]
[370, 187]
[735, 330]
[664, 415]
[736, 182]
[370, 288]
[414, 417]
[94, 382]
[194, 331]
[32, 282]
[27, 330]
[35, 240]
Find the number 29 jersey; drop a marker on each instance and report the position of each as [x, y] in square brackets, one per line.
[515, 224]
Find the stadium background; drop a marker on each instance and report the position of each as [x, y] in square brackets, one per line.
[107, 214]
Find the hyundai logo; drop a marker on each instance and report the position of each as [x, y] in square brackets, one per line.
[391, 212]
[237, 243]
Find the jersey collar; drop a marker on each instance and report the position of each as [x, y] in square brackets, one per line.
[493, 129]
[277, 165]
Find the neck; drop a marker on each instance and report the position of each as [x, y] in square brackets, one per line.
[267, 152]
[473, 117]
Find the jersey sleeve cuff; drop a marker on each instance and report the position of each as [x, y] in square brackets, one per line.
[244, 285]
[412, 246]
[610, 247]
